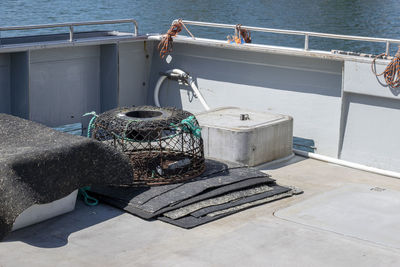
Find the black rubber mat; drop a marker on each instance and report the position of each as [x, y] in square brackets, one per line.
[228, 197]
[194, 188]
[150, 202]
[276, 190]
[191, 221]
[138, 211]
[218, 191]
[140, 195]
[222, 190]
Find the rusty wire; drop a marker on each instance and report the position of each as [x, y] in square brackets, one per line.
[391, 74]
[160, 149]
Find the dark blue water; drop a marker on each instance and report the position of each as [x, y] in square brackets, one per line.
[377, 18]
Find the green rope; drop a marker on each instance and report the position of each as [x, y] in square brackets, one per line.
[91, 122]
[189, 125]
[90, 201]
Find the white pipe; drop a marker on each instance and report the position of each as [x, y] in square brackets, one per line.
[180, 73]
[197, 92]
[157, 90]
[347, 163]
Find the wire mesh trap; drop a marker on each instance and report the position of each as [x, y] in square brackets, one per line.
[163, 144]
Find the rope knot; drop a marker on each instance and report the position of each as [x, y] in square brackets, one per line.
[241, 35]
[165, 45]
[189, 125]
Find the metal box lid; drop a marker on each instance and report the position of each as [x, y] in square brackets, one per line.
[229, 118]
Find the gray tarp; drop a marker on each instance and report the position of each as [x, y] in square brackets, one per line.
[39, 165]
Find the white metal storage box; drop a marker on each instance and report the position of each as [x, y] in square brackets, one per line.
[245, 136]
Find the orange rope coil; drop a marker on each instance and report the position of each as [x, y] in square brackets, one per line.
[391, 74]
[165, 46]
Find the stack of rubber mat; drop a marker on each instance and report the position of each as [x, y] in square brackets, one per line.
[223, 189]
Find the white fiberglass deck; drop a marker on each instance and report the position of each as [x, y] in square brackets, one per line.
[104, 236]
[361, 211]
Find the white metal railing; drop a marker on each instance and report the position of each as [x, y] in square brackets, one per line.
[303, 33]
[71, 26]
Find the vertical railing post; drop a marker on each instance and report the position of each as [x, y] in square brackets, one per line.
[136, 28]
[387, 48]
[71, 33]
[306, 39]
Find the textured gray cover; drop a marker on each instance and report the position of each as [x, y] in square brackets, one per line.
[39, 165]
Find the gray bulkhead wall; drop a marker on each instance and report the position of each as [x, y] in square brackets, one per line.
[14, 95]
[108, 76]
[19, 84]
[64, 84]
[56, 86]
[308, 89]
[5, 90]
[371, 118]
[134, 72]
[357, 123]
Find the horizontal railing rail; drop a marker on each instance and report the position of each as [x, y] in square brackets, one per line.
[306, 34]
[71, 26]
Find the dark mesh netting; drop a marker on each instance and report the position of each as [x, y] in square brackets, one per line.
[164, 144]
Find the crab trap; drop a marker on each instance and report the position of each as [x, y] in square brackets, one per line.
[164, 144]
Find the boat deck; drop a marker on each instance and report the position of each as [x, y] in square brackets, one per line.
[104, 236]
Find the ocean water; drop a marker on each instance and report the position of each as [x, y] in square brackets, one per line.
[376, 18]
